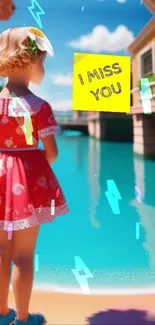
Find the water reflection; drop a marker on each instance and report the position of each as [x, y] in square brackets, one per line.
[94, 185]
[79, 154]
[145, 211]
[107, 244]
[117, 162]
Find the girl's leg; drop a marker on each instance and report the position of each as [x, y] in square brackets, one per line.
[5, 270]
[24, 242]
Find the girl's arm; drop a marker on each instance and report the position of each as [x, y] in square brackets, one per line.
[50, 148]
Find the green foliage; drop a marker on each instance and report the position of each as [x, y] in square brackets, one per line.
[32, 47]
[2, 84]
[150, 78]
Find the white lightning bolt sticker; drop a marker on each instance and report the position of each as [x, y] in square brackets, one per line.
[113, 196]
[27, 127]
[52, 207]
[138, 194]
[146, 95]
[36, 15]
[36, 262]
[10, 230]
[82, 279]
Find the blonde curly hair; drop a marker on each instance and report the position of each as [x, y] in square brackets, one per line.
[14, 51]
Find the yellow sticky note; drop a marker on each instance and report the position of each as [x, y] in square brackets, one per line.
[101, 83]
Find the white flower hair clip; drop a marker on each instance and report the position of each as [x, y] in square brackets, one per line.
[37, 39]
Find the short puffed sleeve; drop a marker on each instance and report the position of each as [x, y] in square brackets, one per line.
[46, 123]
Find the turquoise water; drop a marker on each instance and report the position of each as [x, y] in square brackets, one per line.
[105, 242]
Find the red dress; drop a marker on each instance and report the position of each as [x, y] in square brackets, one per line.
[27, 182]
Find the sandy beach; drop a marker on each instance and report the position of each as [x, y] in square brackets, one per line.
[60, 308]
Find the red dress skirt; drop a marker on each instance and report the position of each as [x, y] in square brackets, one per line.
[30, 193]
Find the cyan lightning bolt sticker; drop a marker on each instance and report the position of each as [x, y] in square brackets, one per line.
[146, 95]
[137, 230]
[82, 279]
[113, 196]
[27, 127]
[36, 15]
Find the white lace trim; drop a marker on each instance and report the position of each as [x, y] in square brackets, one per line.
[39, 217]
[48, 131]
[18, 149]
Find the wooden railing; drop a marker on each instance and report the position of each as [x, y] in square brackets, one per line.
[69, 118]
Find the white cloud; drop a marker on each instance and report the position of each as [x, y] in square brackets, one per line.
[121, 1]
[61, 105]
[62, 79]
[57, 105]
[37, 90]
[101, 39]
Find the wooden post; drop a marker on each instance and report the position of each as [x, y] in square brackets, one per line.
[144, 135]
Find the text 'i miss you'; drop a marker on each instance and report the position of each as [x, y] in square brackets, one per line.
[101, 73]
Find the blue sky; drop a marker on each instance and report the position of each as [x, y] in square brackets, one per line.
[65, 22]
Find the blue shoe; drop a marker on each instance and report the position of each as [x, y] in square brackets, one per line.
[33, 319]
[9, 318]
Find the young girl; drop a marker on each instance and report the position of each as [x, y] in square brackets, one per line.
[27, 183]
